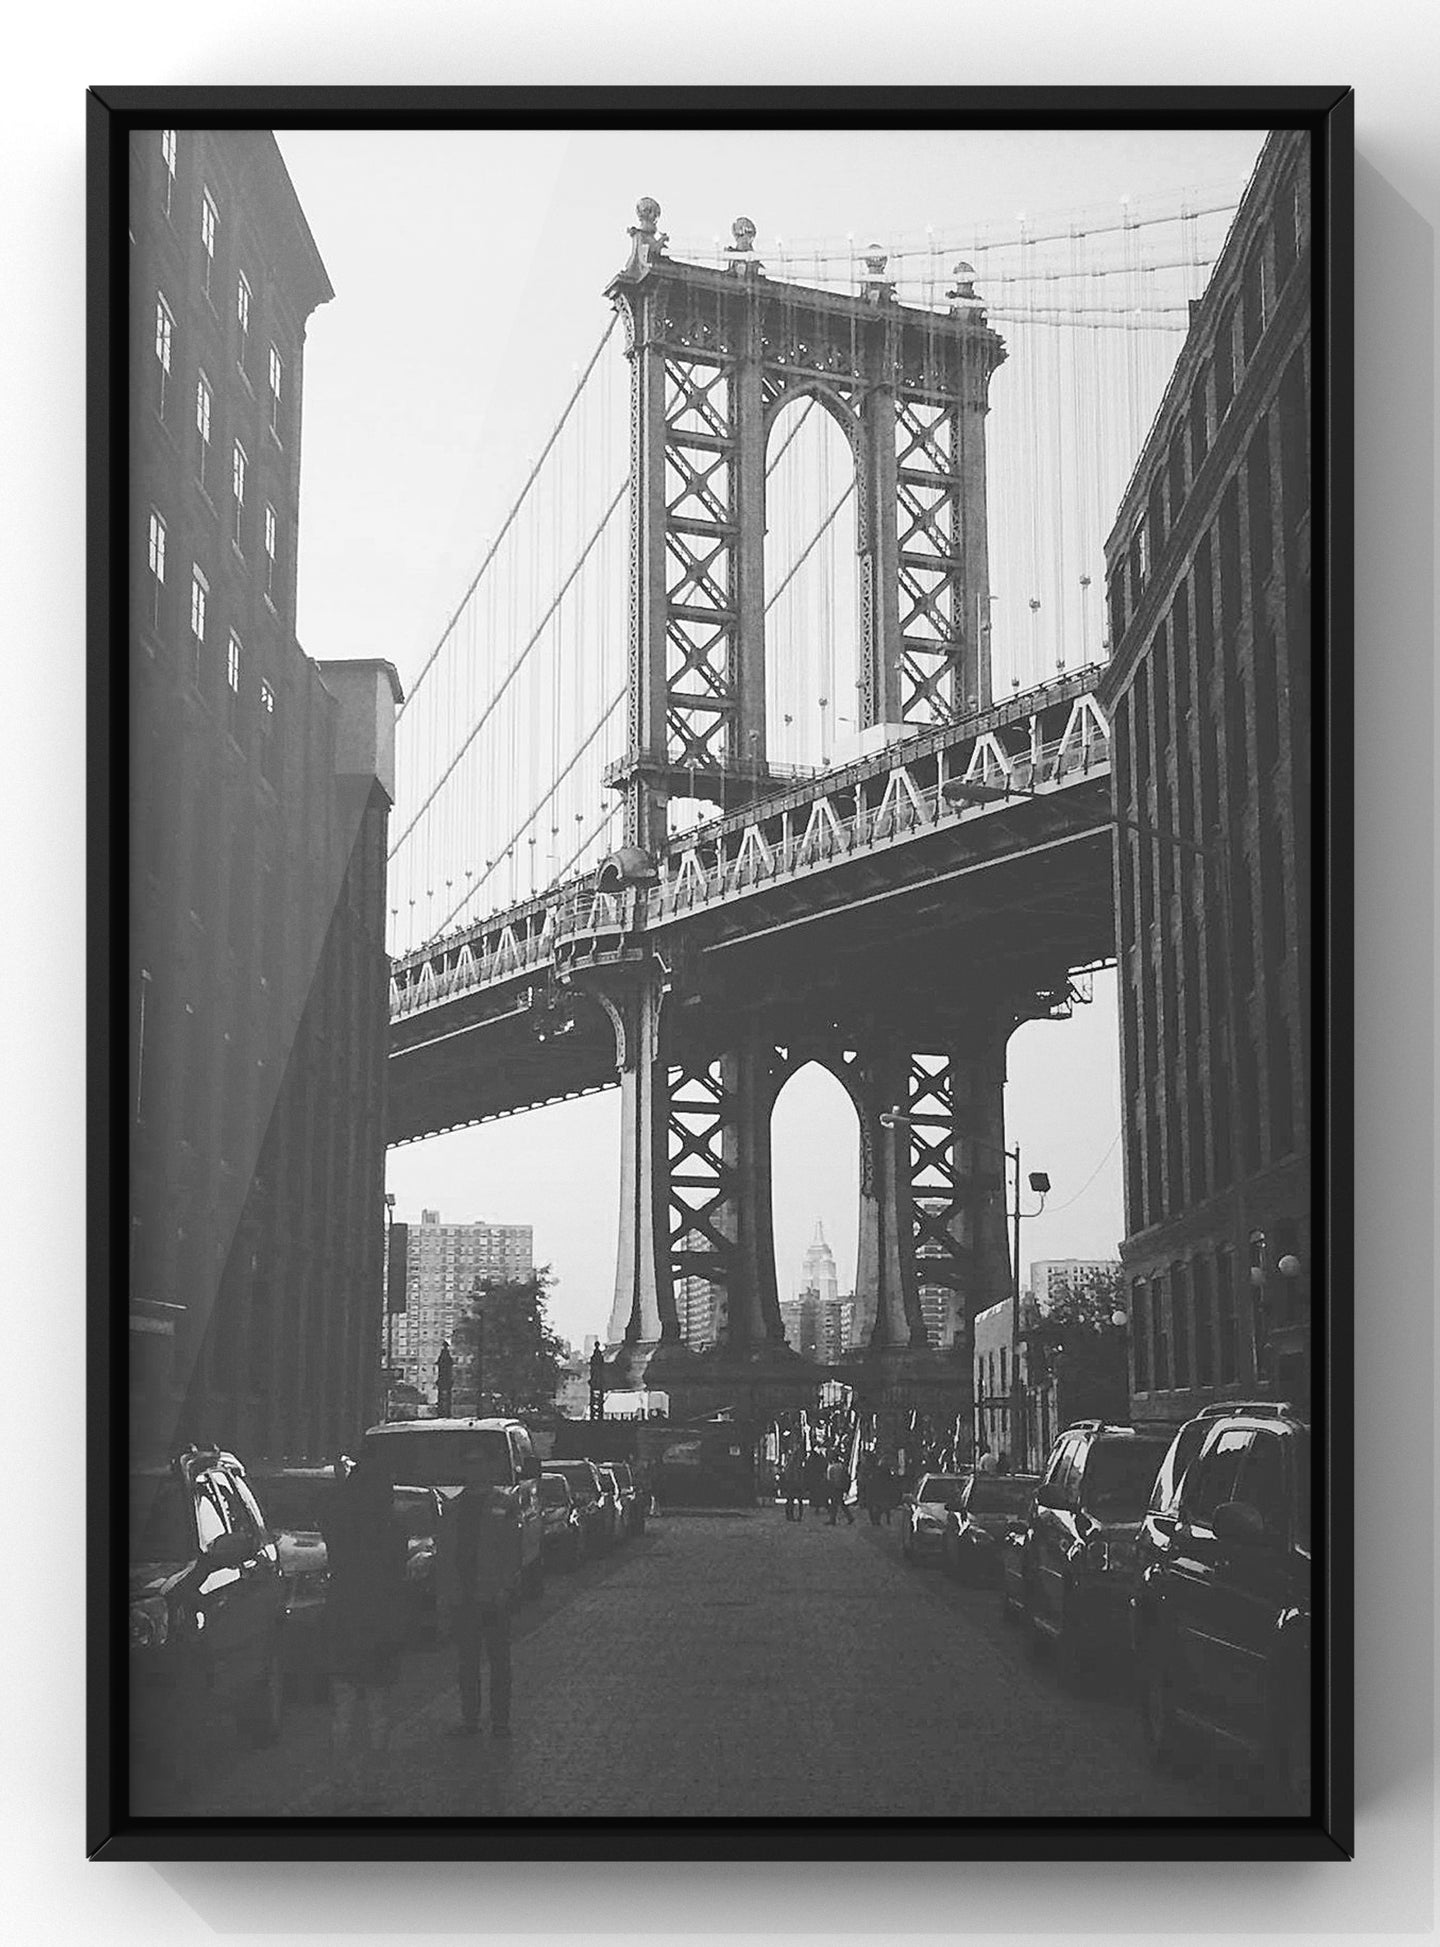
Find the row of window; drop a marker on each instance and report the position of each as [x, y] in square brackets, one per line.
[166, 353]
[1273, 257]
[157, 543]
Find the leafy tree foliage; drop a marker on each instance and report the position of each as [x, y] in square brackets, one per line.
[507, 1359]
[1076, 1341]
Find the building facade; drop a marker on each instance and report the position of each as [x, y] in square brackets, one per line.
[1208, 693]
[443, 1262]
[695, 1302]
[817, 1327]
[260, 789]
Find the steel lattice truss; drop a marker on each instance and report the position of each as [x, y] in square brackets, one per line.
[929, 493]
[700, 544]
[702, 1184]
[943, 1187]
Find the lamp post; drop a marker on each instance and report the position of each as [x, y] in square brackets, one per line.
[1040, 1183]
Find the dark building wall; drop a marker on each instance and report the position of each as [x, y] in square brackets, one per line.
[257, 969]
[1208, 584]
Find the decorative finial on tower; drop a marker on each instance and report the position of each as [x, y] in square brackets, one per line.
[965, 302]
[743, 261]
[647, 240]
[875, 287]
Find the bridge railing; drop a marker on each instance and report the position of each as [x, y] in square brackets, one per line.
[701, 872]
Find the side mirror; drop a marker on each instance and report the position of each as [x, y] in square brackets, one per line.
[1238, 1521]
[228, 1551]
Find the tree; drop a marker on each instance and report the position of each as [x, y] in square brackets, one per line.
[1077, 1342]
[507, 1358]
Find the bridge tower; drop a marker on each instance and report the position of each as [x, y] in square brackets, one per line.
[716, 354]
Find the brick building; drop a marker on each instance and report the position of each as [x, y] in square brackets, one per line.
[261, 785]
[1208, 583]
[442, 1264]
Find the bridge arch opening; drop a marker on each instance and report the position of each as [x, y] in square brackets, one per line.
[812, 586]
[815, 1208]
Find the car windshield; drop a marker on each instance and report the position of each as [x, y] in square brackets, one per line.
[554, 1493]
[622, 1475]
[1000, 1494]
[582, 1481]
[941, 1487]
[161, 1529]
[440, 1457]
[295, 1506]
[1120, 1475]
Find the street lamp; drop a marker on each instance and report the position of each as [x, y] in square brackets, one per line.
[1040, 1184]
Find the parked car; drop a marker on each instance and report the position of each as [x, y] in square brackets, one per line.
[438, 1453]
[990, 1507]
[294, 1500]
[1221, 1614]
[923, 1514]
[585, 1485]
[421, 1512]
[633, 1499]
[564, 1524]
[207, 1603]
[1076, 1564]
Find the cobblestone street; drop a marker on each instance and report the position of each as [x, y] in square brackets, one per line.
[734, 1664]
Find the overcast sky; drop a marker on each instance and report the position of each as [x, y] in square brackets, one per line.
[468, 270]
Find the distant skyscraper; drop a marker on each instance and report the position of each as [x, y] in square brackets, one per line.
[695, 1302]
[818, 1272]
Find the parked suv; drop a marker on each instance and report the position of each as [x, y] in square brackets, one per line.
[207, 1602]
[588, 1492]
[1075, 1566]
[1221, 1612]
[438, 1454]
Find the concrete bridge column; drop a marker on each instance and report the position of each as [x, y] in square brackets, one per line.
[643, 1313]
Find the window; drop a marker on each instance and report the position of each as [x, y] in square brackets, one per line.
[199, 602]
[239, 467]
[209, 229]
[232, 678]
[271, 531]
[204, 403]
[1210, 1483]
[277, 373]
[269, 745]
[164, 347]
[1229, 1324]
[1140, 1333]
[1261, 1481]
[242, 319]
[168, 147]
[155, 556]
[1204, 1324]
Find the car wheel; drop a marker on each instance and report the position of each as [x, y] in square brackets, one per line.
[1067, 1634]
[1157, 1707]
[265, 1709]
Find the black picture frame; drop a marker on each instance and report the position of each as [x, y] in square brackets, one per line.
[1327, 115]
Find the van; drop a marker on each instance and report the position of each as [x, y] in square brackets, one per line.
[437, 1453]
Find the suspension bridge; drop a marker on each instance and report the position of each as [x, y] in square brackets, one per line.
[765, 733]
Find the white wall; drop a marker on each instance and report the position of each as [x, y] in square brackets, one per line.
[1390, 49]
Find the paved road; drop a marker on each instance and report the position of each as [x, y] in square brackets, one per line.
[740, 1665]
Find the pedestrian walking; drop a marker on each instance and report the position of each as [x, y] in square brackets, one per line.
[479, 1569]
[987, 1463]
[364, 1626]
[792, 1480]
[837, 1481]
[881, 1491]
[813, 1480]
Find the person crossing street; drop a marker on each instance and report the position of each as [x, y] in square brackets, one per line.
[837, 1482]
[479, 1569]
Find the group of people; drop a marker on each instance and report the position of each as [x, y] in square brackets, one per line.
[822, 1479]
[477, 1577]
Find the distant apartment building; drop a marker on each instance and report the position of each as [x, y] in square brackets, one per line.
[1208, 572]
[819, 1328]
[260, 787]
[443, 1264]
[695, 1301]
[1052, 1278]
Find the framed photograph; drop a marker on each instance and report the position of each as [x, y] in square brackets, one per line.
[720, 983]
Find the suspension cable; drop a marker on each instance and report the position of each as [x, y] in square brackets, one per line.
[509, 519]
[515, 667]
[552, 788]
